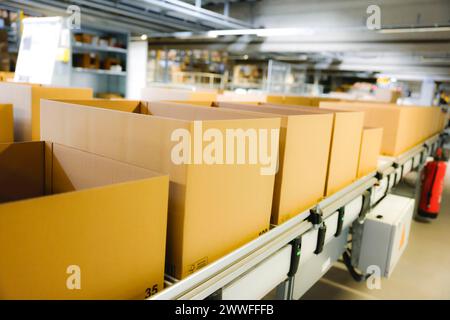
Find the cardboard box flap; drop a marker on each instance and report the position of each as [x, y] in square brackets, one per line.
[266, 108]
[51, 92]
[305, 109]
[370, 150]
[32, 169]
[140, 140]
[119, 105]
[73, 169]
[22, 169]
[192, 113]
[26, 101]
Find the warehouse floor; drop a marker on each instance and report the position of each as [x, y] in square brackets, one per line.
[422, 273]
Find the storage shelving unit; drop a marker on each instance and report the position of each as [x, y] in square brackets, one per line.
[100, 80]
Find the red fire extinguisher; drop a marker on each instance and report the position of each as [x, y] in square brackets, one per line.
[432, 186]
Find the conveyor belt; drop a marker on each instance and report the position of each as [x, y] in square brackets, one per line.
[252, 260]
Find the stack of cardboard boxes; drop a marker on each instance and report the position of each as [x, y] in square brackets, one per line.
[106, 179]
[214, 208]
[73, 224]
[404, 126]
[318, 155]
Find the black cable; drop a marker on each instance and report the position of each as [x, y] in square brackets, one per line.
[355, 274]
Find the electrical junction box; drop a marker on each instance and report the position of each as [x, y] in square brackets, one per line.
[385, 234]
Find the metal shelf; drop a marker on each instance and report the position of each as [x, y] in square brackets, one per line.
[229, 271]
[91, 47]
[101, 72]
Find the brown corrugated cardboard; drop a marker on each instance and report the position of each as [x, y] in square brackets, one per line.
[304, 151]
[25, 99]
[99, 234]
[274, 98]
[345, 145]
[297, 100]
[213, 208]
[6, 123]
[370, 150]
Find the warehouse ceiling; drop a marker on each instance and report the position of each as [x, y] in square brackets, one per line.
[330, 34]
[413, 38]
[136, 16]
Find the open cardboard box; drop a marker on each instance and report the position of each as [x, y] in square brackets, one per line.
[345, 145]
[305, 140]
[6, 123]
[66, 213]
[370, 150]
[403, 126]
[25, 99]
[213, 208]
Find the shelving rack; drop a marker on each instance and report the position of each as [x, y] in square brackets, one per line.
[101, 80]
[290, 258]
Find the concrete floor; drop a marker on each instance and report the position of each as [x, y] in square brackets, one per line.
[423, 272]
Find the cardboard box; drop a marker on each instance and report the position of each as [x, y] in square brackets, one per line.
[297, 100]
[345, 145]
[304, 151]
[86, 60]
[164, 94]
[71, 219]
[277, 99]
[110, 62]
[404, 127]
[25, 99]
[213, 208]
[370, 150]
[83, 37]
[6, 123]
[6, 76]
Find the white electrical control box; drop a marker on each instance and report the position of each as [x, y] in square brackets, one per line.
[385, 234]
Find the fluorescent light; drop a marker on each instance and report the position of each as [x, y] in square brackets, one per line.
[413, 29]
[233, 32]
